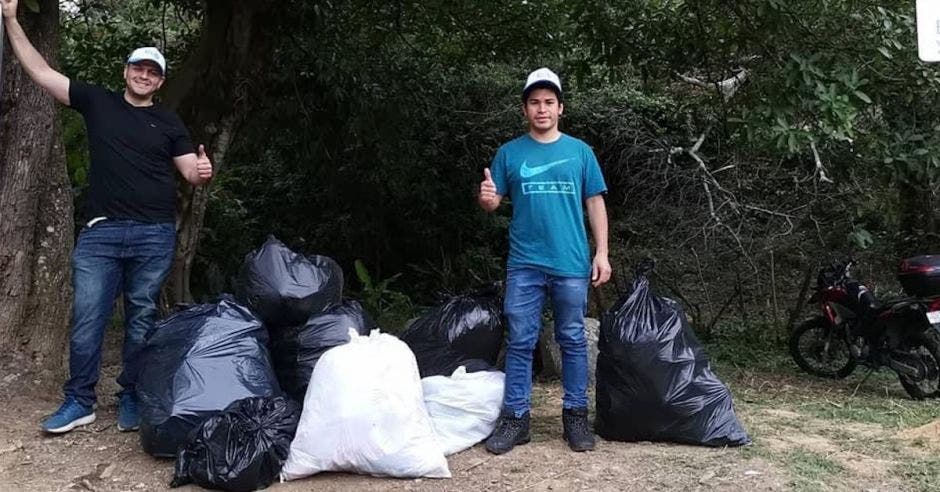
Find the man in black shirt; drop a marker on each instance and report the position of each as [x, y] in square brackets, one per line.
[127, 245]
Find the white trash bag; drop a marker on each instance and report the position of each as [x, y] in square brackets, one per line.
[364, 413]
[464, 407]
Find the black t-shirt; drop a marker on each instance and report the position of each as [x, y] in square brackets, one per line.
[132, 149]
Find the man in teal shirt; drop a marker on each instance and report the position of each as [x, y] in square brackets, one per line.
[551, 179]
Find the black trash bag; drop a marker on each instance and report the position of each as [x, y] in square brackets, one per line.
[296, 350]
[436, 358]
[654, 381]
[196, 363]
[284, 288]
[240, 449]
[466, 330]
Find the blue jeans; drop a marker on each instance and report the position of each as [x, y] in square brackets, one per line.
[115, 257]
[526, 291]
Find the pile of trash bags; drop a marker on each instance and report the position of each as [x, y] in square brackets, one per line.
[288, 379]
[241, 449]
[654, 381]
[296, 350]
[229, 388]
[195, 364]
[364, 412]
[284, 288]
[464, 407]
[465, 330]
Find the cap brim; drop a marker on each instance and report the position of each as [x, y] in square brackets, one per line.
[541, 84]
[141, 60]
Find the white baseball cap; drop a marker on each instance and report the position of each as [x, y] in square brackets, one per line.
[148, 53]
[542, 77]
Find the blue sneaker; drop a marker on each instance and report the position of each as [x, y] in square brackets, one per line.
[69, 416]
[128, 419]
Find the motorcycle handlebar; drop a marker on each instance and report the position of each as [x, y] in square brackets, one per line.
[837, 272]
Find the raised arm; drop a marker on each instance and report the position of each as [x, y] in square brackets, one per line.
[33, 63]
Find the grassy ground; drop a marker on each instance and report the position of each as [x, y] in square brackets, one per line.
[846, 434]
[808, 434]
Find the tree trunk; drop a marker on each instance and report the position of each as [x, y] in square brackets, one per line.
[36, 230]
[213, 92]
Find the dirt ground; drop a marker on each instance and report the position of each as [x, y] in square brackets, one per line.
[801, 442]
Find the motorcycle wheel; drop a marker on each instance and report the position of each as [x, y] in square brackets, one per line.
[928, 350]
[819, 351]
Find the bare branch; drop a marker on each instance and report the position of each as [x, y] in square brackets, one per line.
[787, 217]
[725, 168]
[820, 169]
[726, 88]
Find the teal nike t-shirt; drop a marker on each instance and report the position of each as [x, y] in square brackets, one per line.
[548, 184]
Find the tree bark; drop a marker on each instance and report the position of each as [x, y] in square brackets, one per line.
[36, 229]
[213, 92]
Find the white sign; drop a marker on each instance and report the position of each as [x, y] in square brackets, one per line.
[928, 30]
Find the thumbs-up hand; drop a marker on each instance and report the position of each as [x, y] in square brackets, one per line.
[9, 8]
[203, 164]
[488, 198]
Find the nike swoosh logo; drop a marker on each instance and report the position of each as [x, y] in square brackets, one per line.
[528, 172]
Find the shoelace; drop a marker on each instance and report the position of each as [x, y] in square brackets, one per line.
[577, 423]
[509, 426]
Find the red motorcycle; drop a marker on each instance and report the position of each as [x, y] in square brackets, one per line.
[854, 328]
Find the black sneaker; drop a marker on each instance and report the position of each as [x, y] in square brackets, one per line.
[510, 431]
[577, 433]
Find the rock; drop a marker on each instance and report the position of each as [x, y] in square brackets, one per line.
[14, 446]
[551, 354]
[710, 474]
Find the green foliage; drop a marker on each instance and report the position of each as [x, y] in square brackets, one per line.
[861, 238]
[811, 469]
[823, 104]
[391, 307]
[74, 138]
[368, 141]
[822, 71]
[923, 472]
[733, 344]
[97, 37]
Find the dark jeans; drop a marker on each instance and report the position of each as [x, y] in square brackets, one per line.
[115, 257]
